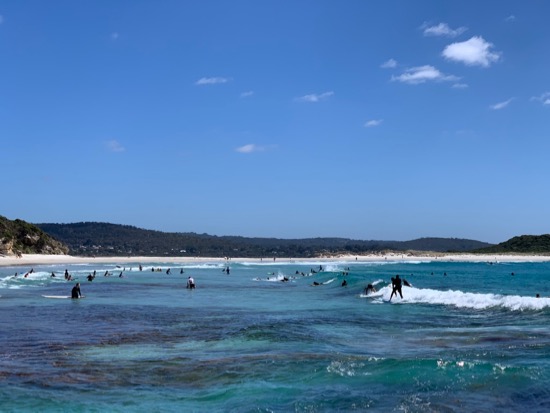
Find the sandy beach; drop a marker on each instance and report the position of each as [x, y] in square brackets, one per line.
[39, 259]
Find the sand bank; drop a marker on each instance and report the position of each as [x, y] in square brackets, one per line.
[38, 259]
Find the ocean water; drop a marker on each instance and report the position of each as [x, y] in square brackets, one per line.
[466, 337]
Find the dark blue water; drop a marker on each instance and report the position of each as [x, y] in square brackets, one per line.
[475, 339]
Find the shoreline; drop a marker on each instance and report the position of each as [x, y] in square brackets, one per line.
[41, 259]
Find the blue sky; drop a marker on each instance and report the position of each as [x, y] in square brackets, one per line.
[386, 120]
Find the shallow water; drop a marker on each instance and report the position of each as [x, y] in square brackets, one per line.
[465, 337]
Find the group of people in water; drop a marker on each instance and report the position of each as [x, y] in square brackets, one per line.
[396, 282]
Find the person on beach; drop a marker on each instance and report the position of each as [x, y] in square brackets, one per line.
[75, 292]
[190, 283]
[396, 286]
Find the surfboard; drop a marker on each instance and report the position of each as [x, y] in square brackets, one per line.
[58, 296]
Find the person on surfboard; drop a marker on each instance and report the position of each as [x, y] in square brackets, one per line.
[396, 286]
[369, 289]
[75, 292]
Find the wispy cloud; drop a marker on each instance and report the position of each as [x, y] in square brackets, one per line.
[460, 86]
[442, 29]
[544, 98]
[389, 64]
[115, 36]
[1, 19]
[501, 105]
[247, 94]
[511, 18]
[211, 81]
[473, 52]
[314, 98]
[114, 146]
[422, 74]
[373, 122]
[252, 147]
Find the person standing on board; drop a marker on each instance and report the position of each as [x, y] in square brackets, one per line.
[396, 284]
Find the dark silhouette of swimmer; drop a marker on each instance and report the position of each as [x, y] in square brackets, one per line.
[75, 292]
[396, 285]
[369, 289]
[344, 283]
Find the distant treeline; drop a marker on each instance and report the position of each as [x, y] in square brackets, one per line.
[524, 244]
[104, 239]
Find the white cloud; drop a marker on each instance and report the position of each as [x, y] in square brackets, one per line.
[460, 86]
[442, 29]
[472, 52]
[252, 147]
[373, 122]
[389, 64]
[544, 98]
[247, 94]
[501, 105]
[314, 98]
[211, 80]
[114, 146]
[423, 74]
[510, 18]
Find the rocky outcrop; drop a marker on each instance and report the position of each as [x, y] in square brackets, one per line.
[19, 237]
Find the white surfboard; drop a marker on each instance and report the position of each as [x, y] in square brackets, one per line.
[58, 296]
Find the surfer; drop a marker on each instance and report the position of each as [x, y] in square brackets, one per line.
[344, 283]
[190, 283]
[396, 286]
[369, 289]
[75, 292]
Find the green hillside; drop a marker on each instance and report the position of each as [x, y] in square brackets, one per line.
[532, 244]
[20, 237]
[104, 239]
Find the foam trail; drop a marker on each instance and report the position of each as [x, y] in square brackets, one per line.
[462, 299]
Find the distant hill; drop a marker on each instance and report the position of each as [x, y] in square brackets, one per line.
[20, 237]
[533, 244]
[104, 239]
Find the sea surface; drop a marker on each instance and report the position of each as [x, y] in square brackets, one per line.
[466, 337]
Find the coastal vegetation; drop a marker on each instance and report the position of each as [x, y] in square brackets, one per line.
[105, 239]
[19, 237]
[524, 244]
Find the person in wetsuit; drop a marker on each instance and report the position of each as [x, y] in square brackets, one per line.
[75, 292]
[396, 284]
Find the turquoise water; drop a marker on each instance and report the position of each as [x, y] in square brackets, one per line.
[465, 337]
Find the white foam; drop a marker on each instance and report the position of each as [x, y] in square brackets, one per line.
[462, 299]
